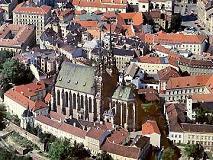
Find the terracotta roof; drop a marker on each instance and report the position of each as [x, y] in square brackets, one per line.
[24, 101]
[125, 151]
[175, 114]
[189, 81]
[202, 128]
[168, 72]
[47, 121]
[143, 1]
[88, 24]
[72, 130]
[47, 98]
[149, 94]
[56, 116]
[196, 63]
[24, 8]
[61, 126]
[149, 59]
[150, 127]
[157, 60]
[170, 53]
[118, 136]
[30, 89]
[155, 14]
[202, 97]
[173, 38]
[136, 17]
[95, 132]
[99, 4]
[23, 32]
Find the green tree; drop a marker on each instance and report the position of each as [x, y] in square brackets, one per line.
[60, 149]
[195, 151]
[11, 155]
[103, 156]
[200, 115]
[170, 153]
[16, 72]
[78, 151]
[2, 116]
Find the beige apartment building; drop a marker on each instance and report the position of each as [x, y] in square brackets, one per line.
[16, 38]
[179, 88]
[205, 14]
[29, 13]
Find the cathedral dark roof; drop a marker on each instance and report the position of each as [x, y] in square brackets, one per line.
[77, 77]
[123, 93]
[27, 113]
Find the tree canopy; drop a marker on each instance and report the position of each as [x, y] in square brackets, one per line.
[103, 156]
[170, 153]
[16, 72]
[2, 116]
[63, 149]
[195, 151]
[11, 155]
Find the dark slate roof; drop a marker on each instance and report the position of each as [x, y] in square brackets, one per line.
[141, 141]
[51, 36]
[27, 113]
[5, 1]
[205, 105]
[204, 128]
[76, 77]
[116, 51]
[124, 93]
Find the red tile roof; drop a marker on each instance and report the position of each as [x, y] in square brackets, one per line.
[95, 132]
[88, 24]
[170, 53]
[125, 151]
[190, 81]
[23, 32]
[30, 89]
[119, 4]
[149, 59]
[47, 98]
[23, 8]
[168, 72]
[61, 126]
[202, 97]
[136, 17]
[24, 101]
[72, 130]
[173, 38]
[56, 116]
[150, 127]
[118, 136]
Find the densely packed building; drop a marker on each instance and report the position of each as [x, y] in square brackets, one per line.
[107, 78]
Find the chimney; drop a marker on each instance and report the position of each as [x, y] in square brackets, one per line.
[22, 93]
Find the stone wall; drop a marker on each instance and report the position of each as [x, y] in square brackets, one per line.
[31, 137]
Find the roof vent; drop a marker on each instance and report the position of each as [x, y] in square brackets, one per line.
[60, 79]
[68, 81]
[84, 84]
[76, 82]
[187, 84]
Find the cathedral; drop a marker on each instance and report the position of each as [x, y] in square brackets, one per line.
[94, 93]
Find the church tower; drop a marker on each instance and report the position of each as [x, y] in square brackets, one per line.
[106, 78]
